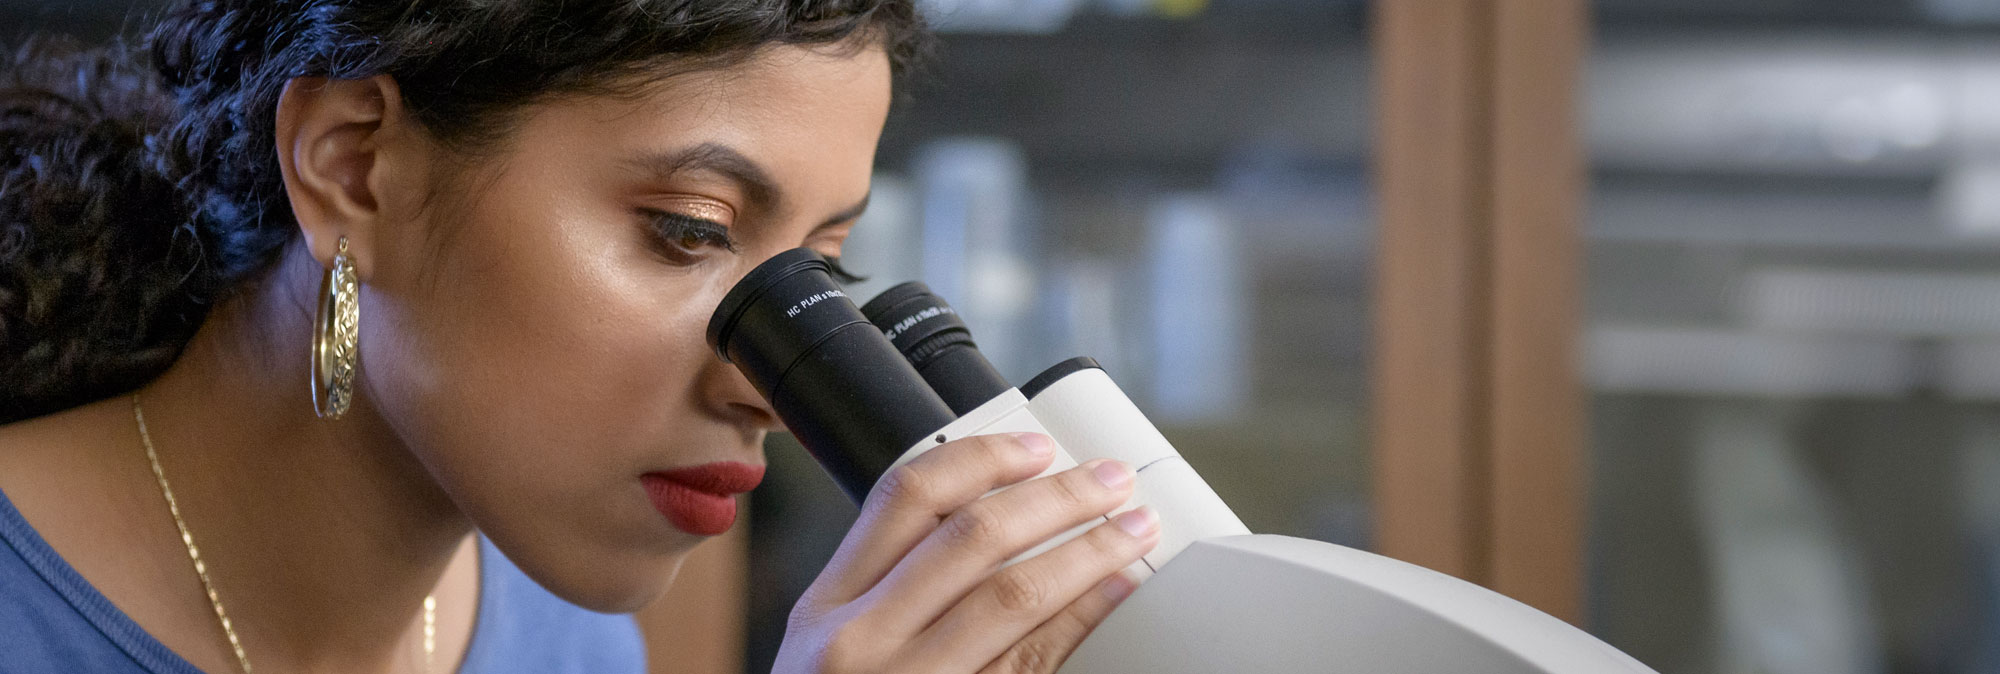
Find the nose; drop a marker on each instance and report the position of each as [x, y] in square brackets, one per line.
[731, 396]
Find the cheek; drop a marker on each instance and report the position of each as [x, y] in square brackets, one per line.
[539, 368]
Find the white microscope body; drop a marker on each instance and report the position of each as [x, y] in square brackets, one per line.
[1214, 597]
[1221, 599]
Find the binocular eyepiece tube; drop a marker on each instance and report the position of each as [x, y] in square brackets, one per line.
[850, 397]
[865, 389]
[936, 341]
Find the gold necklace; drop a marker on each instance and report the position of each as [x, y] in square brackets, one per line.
[201, 570]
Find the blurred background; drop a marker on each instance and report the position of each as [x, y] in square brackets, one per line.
[1759, 392]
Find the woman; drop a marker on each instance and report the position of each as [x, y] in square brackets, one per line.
[498, 227]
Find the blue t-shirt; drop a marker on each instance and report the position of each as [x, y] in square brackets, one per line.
[52, 620]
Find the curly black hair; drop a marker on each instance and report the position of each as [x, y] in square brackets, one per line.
[138, 187]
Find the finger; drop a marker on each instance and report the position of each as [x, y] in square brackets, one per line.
[967, 547]
[1045, 649]
[907, 503]
[1014, 602]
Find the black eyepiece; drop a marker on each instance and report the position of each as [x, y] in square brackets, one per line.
[850, 396]
[930, 333]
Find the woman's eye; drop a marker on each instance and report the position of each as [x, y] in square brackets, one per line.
[683, 237]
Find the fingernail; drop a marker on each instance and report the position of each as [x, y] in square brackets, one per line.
[1113, 474]
[1139, 522]
[1117, 587]
[1036, 443]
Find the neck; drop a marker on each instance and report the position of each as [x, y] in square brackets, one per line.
[322, 537]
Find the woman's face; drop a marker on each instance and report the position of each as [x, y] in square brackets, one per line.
[536, 335]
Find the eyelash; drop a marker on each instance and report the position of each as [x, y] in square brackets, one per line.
[841, 274]
[673, 228]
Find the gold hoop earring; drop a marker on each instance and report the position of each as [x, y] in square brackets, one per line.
[336, 337]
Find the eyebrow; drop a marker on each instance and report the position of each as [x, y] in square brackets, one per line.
[758, 187]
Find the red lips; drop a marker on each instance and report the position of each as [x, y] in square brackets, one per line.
[701, 500]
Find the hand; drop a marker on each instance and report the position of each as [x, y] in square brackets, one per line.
[917, 585]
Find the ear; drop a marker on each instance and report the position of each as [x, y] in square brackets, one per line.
[330, 140]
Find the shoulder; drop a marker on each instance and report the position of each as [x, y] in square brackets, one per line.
[51, 620]
[523, 628]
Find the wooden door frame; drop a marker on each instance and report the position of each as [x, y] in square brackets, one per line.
[1478, 439]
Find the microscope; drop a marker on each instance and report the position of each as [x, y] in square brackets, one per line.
[868, 388]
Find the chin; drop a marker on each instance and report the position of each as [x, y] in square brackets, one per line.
[611, 582]
[628, 602]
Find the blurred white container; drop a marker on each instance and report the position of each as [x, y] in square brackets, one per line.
[1199, 311]
[974, 194]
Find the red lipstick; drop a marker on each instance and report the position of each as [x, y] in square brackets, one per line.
[701, 500]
